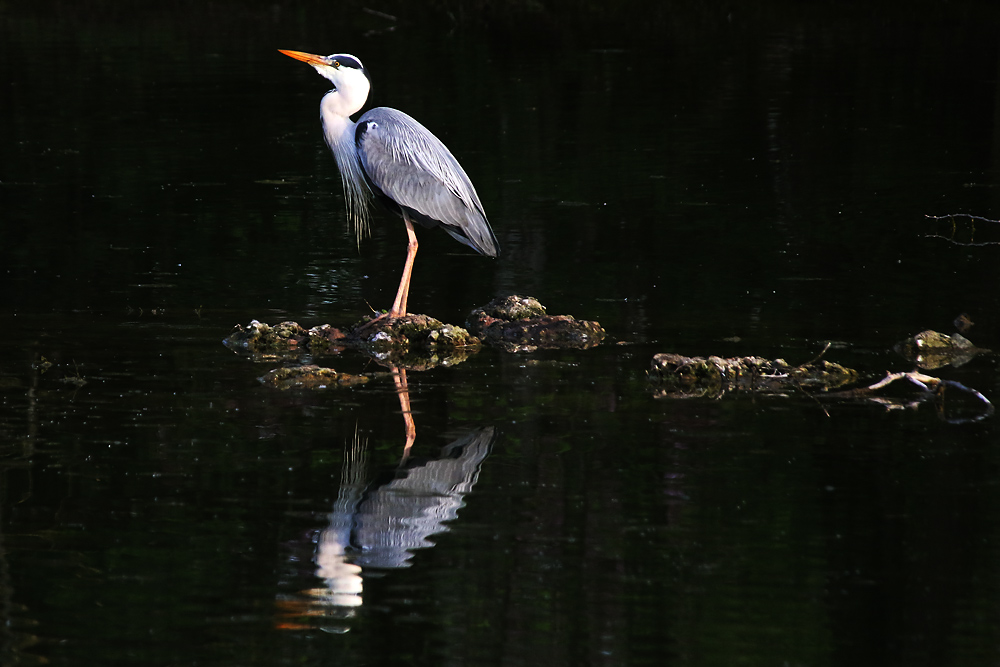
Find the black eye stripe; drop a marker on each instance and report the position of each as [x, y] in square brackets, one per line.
[340, 59]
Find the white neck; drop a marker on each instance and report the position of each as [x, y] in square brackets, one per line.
[336, 123]
[346, 100]
[338, 129]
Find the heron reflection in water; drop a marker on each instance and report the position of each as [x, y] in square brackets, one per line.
[378, 524]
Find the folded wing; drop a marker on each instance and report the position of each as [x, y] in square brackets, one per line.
[407, 164]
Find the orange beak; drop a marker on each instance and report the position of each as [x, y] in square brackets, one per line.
[306, 57]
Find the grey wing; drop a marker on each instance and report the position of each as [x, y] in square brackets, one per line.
[416, 171]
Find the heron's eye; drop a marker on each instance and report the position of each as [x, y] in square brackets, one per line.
[336, 64]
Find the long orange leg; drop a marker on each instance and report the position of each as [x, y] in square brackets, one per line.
[399, 377]
[399, 305]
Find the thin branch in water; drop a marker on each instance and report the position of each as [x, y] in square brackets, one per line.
[798, 385]
[375, 12]
[930, 385]
[952, 216]
[965, 216]
[818, 356]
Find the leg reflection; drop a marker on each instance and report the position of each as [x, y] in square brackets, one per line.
[410, 427]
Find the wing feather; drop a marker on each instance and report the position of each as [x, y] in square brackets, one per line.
[413, 168]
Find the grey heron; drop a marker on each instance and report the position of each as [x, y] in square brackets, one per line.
[398, 161]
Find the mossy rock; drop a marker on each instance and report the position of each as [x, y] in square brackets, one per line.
[513, 307]
[678, 376]
[263, 339]
[410, 332]
[413, 341]
[520, 324]
[930, 349]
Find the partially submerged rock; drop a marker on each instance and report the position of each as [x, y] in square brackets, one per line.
[263, 339]
[513, 323]
[414, 341]
[513, 307]
[520, 324]
[409, 332]
[682, 377]
[930, 349]
[310, 377]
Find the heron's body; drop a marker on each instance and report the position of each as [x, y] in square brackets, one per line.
[393, 157]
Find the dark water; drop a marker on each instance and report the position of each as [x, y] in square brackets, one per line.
[701, 182]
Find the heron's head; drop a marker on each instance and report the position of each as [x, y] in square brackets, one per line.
[344, 70]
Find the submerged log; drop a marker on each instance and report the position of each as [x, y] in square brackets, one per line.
[930, 349]
[310, 377]
[678, 376]
[520, 324]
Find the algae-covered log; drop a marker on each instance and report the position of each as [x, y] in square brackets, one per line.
[520, 324]
[930, 349]
[681, 377]
[310, 377]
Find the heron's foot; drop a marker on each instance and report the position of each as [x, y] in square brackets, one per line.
[378, 318]
[369, 323]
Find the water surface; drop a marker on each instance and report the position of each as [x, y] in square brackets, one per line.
[707, 183]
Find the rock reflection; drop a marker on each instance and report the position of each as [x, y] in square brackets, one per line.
[379, 524]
